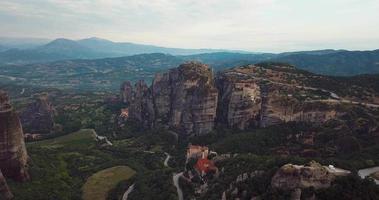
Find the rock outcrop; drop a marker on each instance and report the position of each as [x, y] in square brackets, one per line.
[38, 117]
[126, 92]
[290, 177]
[190, 100]
[185, 99]
[5, 192]
[256, 96]
[295, 178]
[13, 155]
[240, 102]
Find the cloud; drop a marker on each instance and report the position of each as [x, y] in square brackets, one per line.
[262, 25]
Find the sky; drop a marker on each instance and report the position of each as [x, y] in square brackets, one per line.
[253, 25]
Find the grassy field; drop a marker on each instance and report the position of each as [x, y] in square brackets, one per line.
[79, 138]
[100, 183]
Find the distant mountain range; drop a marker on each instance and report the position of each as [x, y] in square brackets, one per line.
[22, 43]
[91, 48]
[328, 61]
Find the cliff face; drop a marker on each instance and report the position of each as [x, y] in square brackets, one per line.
[255, 96]
[185, 99]
[240, 102]
[5, 192]
[189, 99]
[13, 155]
[38, 117]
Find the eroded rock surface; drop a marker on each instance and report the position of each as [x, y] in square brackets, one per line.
[190, 100]
[5, 192]
[13, 155]
[38, 117]
[126, 92]
[290, 177]
[258, 96]
[185, 99]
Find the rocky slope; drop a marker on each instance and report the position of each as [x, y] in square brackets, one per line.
[13, 155]
[188, 98]
[38, 117]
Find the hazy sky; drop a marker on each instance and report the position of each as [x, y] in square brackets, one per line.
[256, 25]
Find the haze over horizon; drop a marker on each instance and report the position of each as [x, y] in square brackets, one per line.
[256, 25]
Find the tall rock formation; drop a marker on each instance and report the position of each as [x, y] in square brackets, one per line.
[126, 92]
[38, 117]
[13, 155]
[258, 96]
[240, 101]
[5, 192]
[185, 99]
[190, 100]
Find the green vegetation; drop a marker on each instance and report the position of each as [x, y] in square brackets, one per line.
[99, 184]
[60, 166]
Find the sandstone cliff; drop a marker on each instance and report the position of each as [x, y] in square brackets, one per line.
[190, 100]
[13, 155]
[184, 99]
[256, 96]
[38, 117]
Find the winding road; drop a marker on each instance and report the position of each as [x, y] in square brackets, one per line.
[175, 179]
[128, 191]
[363, 173]
[168, 156]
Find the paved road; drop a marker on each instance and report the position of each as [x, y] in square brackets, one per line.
[168, 156]
[367, 172]
[175, 179]
[128, 191]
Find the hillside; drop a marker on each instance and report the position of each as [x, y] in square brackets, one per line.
[341, 63]
[96, 74]
[326, 62]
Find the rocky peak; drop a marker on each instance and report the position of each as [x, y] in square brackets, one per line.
[38, 117]
[126, 92]
[13, 155]
[185, 99]
[264, 95]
